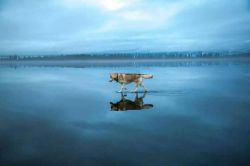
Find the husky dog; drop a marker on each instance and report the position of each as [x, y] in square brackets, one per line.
[126, 104]
[126, 78]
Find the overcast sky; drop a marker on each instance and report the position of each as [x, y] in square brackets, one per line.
[79, 26]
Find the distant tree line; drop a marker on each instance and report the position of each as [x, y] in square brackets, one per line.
[128, 56]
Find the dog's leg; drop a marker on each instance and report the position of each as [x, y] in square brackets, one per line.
[122, 97]
[145, 89]
[136, 88]
[121, 90]
[124, 87]
[144, 94]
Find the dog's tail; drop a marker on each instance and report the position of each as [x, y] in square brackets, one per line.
[147, 76]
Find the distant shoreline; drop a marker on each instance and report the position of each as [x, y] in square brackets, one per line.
[129, 56]
[130, 59]
[125, 62]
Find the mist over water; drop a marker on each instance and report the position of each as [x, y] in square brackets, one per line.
[192, 115]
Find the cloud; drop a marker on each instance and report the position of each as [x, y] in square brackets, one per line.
[110, 5]
[59, 26]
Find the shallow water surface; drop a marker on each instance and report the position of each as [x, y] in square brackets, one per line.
[192, 115]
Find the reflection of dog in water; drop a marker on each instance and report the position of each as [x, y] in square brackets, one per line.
[126, 104]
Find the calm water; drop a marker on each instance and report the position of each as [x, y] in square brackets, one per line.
[192, 115]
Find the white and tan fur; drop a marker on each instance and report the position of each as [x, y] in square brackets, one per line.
[127, 78]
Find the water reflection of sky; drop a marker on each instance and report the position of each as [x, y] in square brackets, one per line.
[61, 116]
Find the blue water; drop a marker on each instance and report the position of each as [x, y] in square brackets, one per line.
[194, 115]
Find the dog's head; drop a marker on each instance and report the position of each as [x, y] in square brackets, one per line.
[113, 76]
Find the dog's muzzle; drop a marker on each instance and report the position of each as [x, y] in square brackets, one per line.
[110, 80]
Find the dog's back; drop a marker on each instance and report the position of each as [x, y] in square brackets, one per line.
[130, 77]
